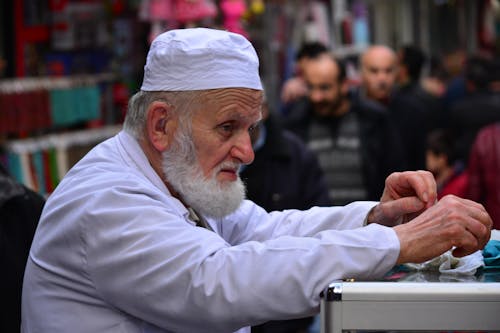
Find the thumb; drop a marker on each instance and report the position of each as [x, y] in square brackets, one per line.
[404, 206]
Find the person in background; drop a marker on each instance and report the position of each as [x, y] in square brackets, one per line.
[378, 72]
[150, 231]
[453, 63]
[413, 110]
[434, 80]
[478, 108]
[441, 159]
[355, 142]
[484, 171]
[285, 174]
[494, 85]
[294, 88]
[20, 209]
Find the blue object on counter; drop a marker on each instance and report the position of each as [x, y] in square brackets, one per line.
[491, 255]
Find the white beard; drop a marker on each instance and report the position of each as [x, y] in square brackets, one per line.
[207, 197]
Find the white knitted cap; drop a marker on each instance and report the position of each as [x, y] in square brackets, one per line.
[199, 59]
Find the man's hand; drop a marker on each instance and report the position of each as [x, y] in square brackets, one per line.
[406, 195]
[432, 228]
[293, 89]
[411, 183]
[452, 223]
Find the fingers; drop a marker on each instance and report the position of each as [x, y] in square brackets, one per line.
[452, 223]
[411, 183]
[467, 224]
[425, 187]
[476, 227]
[400, 208]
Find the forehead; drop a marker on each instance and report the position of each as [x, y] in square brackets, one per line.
[230, 102]
[379, 58]
[321, 70]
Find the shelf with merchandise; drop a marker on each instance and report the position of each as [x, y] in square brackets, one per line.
[49, 123]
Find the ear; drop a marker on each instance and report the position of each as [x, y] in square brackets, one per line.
[161, 125]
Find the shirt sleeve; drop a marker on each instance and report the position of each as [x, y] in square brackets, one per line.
[251, 222]
[150, 263]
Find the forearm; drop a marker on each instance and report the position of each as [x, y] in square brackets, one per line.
[301, 223]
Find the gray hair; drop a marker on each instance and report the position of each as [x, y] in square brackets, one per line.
[135, 120]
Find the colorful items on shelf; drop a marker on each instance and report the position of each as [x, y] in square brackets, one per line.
[41, 162]
[74, 105]
[40, 104]
[23, 112]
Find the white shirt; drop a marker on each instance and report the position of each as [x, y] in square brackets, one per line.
[115, 252]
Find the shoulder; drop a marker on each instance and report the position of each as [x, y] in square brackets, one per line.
[20, 207]
[298, 148]
[299, 112]
[366, 107]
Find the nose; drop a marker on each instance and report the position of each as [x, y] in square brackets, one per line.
[316, 95]
[242, 149]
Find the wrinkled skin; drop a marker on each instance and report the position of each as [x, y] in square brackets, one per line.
[427, 228]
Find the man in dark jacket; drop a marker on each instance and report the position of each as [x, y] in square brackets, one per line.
[413, 110]
[20, 209]
[356, 144]
[285, 174]
[478, 108]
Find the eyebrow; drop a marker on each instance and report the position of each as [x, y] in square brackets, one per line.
[233, 113]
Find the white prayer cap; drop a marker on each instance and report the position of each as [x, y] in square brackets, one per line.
[199, 59]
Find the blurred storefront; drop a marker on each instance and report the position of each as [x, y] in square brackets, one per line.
[67, 67]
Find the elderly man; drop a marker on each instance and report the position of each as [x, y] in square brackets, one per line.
[150, 233]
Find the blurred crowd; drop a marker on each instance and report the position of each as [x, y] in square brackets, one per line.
[343, 125]
[384, 111]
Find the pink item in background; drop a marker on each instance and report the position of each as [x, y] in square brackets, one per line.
[194, 10]
[233, 11]
[161, 10]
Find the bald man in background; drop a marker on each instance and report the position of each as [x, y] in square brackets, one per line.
[378, 69]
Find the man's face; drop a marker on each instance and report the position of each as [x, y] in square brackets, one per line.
[435, 163]
[221, 130]
[203, 164]
[324, 90]
[378, 73]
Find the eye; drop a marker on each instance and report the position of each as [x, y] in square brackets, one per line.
[324, 87]
[226, 129]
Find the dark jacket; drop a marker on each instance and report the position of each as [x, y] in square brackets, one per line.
[469, 114]
[20, 209]
[285, 174]
[414, 113]
[380, 145]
